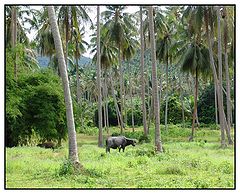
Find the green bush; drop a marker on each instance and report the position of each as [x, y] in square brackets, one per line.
[38, 109]
[66, 168]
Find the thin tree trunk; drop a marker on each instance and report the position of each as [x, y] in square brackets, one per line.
[166, 106]
[14, 36]
[100, 134]
[119, 118]
[227, 68]
[73, 152]
[106, 97]
[131, 98]
[104, 107]
[150, 102]
[121, 84]
[182, 104]
[195, 107]
[67, 35]
[216, 105]
[158, 143]
[77, 75]
[146, 131]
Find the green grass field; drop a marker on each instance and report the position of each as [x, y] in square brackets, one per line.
[182, 165]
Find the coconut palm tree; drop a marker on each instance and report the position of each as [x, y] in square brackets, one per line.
[73, 152]
[195, 58]
[163, 45]
[69, 18]
[142, 76]
[100, 136]
[208, 15]
[118, 24]
[158, 143]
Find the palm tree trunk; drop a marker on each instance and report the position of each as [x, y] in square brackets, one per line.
[227, 68]
[119, 118]
[150, 102]
[131, 98]
[66, 35]
[100, 134]
[142, 76]
[121, 85]
[220, 102]
[106, 101]
[182, 104]
[158, 143]
[14, 36]
[77, 75]
[166, 106]
[216, 105]
[195, 107]
[226, 126]
[73, 152]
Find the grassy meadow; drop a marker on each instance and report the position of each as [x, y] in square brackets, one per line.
[198, 164]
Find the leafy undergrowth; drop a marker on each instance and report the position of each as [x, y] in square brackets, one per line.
[183, 164]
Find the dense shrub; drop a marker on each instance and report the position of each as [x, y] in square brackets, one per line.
[37, 108]
[206, 105]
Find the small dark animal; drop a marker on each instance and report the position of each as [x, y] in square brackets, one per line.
[47, 145]
[119, 142]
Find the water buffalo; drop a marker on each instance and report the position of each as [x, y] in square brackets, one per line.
[47, 145]
[118, 142]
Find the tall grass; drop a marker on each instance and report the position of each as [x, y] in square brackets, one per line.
[199, 164]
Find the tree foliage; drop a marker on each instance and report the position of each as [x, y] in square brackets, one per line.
[35, 106]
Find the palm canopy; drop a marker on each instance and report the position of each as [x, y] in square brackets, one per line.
[108, 50]
[118, 24]
[195, 58]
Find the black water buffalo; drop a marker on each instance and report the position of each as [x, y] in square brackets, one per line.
[118, 142]
[47, 145]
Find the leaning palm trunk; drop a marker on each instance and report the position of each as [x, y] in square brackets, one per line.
[73, 152]
[158, 143]
[142, 77]
[220, 101]
[100, 134]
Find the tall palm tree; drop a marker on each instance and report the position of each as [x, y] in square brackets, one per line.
[142, 76]
[100, 136]
[227, 127]
[73, 152]
[158, 143]
[14, 35]
[163, 46]
[195, 59]
[69, 17]
[208, 15]
[118, 24]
